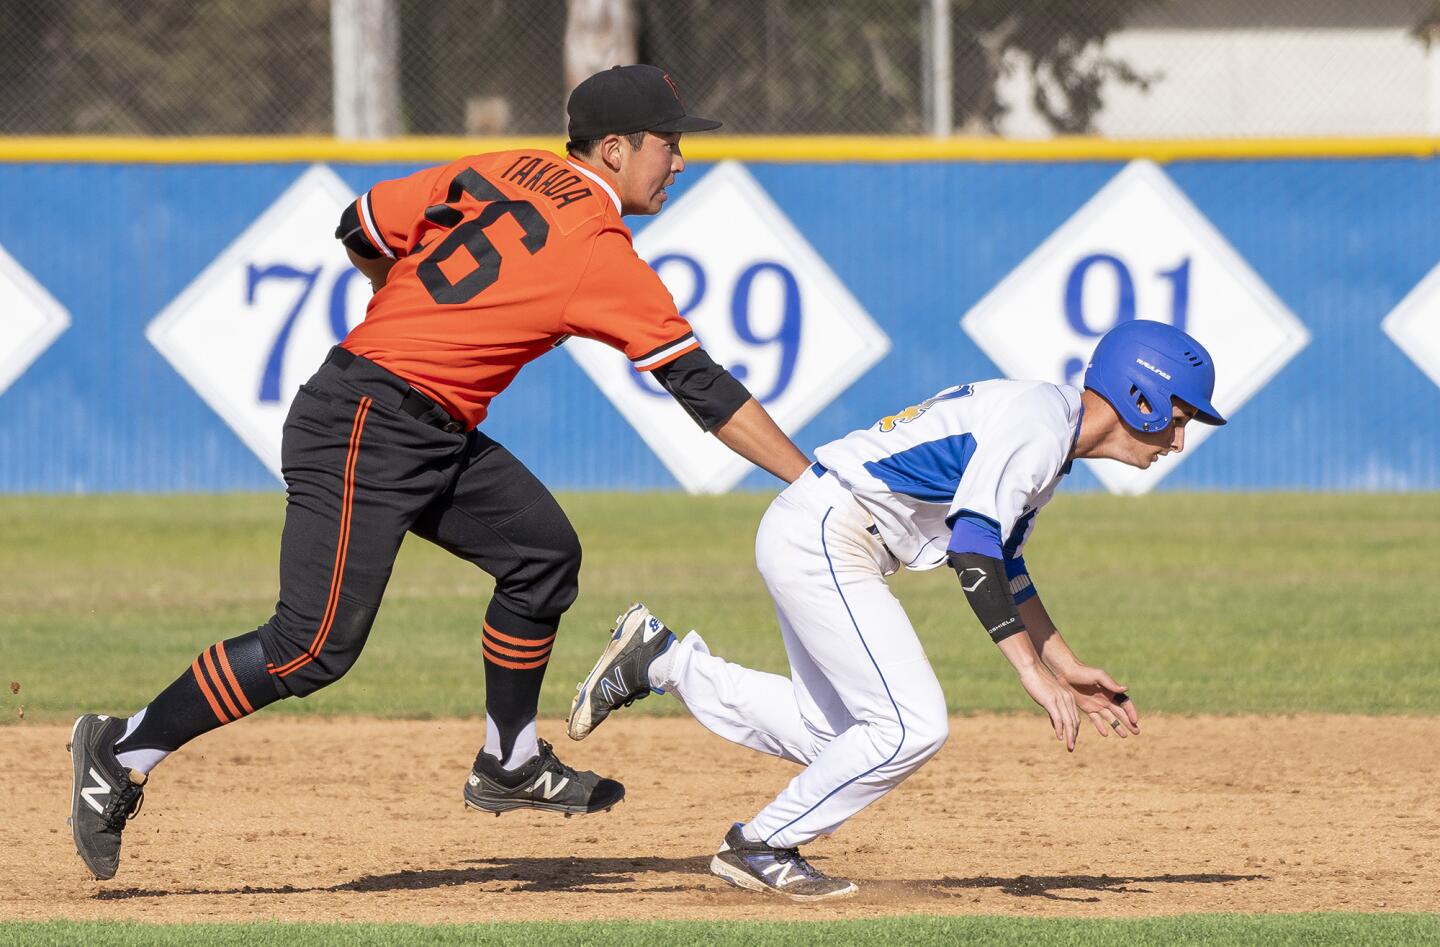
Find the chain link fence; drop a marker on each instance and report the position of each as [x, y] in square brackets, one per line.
[164, 67]
[1030, 68]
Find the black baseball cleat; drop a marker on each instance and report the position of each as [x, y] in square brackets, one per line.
[543, 783]
[622, 675]
[758, 867]
[103, 795]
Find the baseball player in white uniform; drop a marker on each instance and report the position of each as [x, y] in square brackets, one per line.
[956, 479]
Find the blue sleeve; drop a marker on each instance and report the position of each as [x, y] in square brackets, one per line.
[1020, 585]
[974, 532]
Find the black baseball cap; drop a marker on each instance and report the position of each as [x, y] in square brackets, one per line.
[623, 100]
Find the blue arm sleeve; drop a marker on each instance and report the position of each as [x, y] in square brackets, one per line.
[973, 532]
[1020, 585]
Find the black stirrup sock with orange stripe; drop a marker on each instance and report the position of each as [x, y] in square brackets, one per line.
[517, 649]
[226, 682]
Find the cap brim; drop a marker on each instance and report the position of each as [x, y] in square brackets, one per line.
[686, 123]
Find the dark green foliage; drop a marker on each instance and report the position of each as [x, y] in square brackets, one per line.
[166, 67]
[225, 67]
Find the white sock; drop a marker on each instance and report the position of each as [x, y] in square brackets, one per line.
[658, 674]
[132, 724]
[750, 834]
[526, 747]
[141, 761]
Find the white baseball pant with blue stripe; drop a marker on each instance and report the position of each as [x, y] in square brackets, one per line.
[862, 709]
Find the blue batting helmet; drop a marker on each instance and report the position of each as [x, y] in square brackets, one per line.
[1156, 361]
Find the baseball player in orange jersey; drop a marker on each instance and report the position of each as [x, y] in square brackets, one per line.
[479, 266]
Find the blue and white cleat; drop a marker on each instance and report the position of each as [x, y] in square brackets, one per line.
[622, 675]
[758, 867]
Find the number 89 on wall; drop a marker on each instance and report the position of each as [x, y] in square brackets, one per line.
[762, 303]
[763, 313]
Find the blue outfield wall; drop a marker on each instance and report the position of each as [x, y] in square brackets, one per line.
[1340, 241]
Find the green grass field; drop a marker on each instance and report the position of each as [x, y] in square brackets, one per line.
[1218, 603]
[1299, 930]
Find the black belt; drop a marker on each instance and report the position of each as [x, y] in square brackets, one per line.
[418, 405]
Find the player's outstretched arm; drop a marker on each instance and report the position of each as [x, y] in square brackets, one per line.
[754, 435]
[720, 404]
[1096, 692]
[1045, 636]
[1057, 700]
[986, 589]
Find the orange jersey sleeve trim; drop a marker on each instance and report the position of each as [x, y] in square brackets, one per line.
[666, 353]
[367, 226]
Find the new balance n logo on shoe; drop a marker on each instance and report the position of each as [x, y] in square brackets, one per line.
[103, 794]
[612, 687]
[551, 787]
[101, 788]
[638, 639]
[781, 871]
[542, 783]
[758, 867]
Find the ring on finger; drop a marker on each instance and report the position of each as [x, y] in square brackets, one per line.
[1114, 725]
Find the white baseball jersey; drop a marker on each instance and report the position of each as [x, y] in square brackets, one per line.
[967, 471]
[964, 471]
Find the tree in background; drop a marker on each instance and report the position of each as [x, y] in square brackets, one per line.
[177, 67]
[1060, 43]
[856, 65]
[166, 67]
[500, 56]
[782, 66]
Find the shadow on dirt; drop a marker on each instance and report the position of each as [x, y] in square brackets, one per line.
[617, 875]
[601, 875]
[1045, 886]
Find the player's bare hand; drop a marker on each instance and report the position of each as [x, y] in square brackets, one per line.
[1057, 700]
[1106, 722]
[1097, 694]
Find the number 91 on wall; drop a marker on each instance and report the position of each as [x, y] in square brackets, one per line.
[762, 302]
[1138, 249]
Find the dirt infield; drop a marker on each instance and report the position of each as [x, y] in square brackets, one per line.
[338, 820]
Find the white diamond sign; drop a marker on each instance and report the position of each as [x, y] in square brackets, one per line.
[1414, 325]
[762, 302]
[259, 319]
[30, 319]
[1139, 249]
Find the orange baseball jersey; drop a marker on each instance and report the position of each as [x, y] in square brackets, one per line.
[499, 258]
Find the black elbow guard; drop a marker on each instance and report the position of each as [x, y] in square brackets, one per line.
[988, 591]
[353, 236]
[707, 392]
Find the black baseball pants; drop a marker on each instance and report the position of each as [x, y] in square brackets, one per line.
[366, 459]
